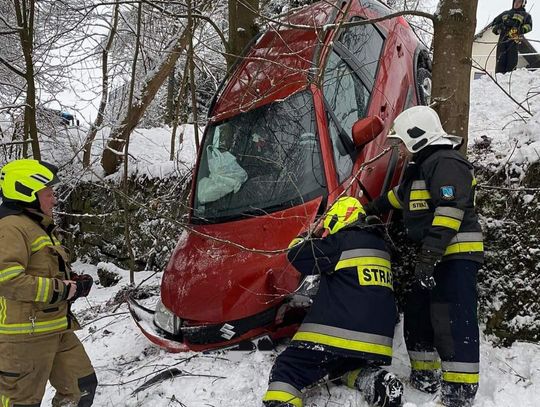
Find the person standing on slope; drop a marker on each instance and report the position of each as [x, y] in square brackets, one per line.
[436, 197]
[510, 26]
[37, 343]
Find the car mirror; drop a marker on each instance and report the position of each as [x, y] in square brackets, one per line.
[366, 130]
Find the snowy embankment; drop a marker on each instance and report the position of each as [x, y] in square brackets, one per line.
[124, 359]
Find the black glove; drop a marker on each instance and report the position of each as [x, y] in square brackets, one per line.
[371, 209]
[424, 269]
[496, 29]
[84, 285]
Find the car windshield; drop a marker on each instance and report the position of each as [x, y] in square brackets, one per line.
[261, 161]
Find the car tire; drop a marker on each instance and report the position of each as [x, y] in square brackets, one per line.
[423, 86]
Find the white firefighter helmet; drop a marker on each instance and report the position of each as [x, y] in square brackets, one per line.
[419, 127]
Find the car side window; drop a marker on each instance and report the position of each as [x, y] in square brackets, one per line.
[346, 101]
[365, 43]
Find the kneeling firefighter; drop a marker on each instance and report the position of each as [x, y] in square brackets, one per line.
[37, 342]
[348, 331]
[436, 197]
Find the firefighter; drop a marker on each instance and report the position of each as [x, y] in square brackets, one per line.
[436, 196]
[37, 342]
[510, 27]
[348, 331]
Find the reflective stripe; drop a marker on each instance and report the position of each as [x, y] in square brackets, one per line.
[350, 378]
[344, 339]
[526, 28]
[363, 261]
[414, 355]
[420, 195]
[421, 184]
[518, 17]
[286, 387]
[467, 237]
[42, 290]
[37, 327]
[469, 378]
[283, 392]
[3, 310]
[394, 201]
[4, 401]
[43, 241]
[455, 213]
[461, 367]
[10, 272]
[447, 222]
[40, 243]
[464, 248]
[425, 364]
[349, 254]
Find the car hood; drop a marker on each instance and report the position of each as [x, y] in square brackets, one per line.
[213, 277]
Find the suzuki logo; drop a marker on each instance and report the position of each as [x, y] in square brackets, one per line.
[227, 331]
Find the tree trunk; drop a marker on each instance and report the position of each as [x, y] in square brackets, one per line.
[87, 149]
[25, 21]
[112, 153]
[242, 26]
[454, 28]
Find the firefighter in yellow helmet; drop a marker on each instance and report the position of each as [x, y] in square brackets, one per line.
[37, 343]
[347, 334]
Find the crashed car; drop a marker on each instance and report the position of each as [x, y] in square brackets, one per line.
[302, 118]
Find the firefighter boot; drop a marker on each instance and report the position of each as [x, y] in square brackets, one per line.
[379, 387]
[428, 381]
[458, 394]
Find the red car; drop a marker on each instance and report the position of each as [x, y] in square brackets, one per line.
[310, 103]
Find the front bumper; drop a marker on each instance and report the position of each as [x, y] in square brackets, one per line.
[255, 332]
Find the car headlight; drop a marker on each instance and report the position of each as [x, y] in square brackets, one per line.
[166, 320]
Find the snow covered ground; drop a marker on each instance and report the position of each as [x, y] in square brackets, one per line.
[124, 359]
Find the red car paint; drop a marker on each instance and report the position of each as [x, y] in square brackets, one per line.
[230, 270]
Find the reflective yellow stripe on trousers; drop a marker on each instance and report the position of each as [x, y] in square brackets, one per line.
[344, 339]
[4, 401]
[283, 392]
[461, 372]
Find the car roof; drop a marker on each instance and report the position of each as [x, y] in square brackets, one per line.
[278, 63]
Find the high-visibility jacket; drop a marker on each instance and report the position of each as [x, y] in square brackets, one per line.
[354, 311]
[436, 196]
[513, 18]
[33, 264]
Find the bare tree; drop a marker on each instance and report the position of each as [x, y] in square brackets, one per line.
[104, 88]
[242, 26]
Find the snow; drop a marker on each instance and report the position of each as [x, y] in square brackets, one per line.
[124, 359]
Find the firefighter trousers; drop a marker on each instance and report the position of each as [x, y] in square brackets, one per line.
[25, 368]
[507, 56]
[443, 323]
[297, 369]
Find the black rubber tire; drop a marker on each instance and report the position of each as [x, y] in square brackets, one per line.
[423, 86]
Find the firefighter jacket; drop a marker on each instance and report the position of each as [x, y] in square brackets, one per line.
[33, 264]
[354, 311]
[512, 23]
[437, 198]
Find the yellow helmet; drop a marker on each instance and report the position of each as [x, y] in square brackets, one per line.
[343, 212]
[20, 180]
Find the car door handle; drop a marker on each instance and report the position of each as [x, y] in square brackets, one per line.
[384, 110]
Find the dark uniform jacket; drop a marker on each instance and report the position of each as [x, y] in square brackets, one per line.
[33, 264]
[354, 311]
[513, 18]
[437, 199]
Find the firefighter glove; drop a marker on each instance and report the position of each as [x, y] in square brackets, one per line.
[371, 209]
[425, 268]
[84, 284]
